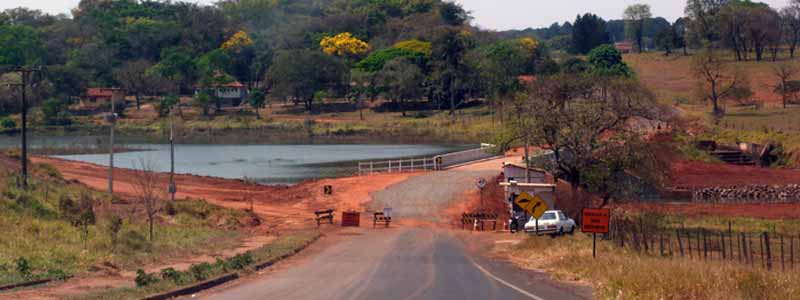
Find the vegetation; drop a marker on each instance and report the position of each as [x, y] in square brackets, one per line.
[169, 278]
[57, 228]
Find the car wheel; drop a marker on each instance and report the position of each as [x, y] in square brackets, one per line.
[561, 231]
[572, 230]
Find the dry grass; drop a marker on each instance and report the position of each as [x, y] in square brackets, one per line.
[623, 274]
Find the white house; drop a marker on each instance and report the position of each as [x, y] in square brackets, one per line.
[231, 94]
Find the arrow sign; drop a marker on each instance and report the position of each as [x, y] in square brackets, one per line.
[533, 205]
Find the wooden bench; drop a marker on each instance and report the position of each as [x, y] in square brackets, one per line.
[478, 219]
[382, 219]
[324, 215]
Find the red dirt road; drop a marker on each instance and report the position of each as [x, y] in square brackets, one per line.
[283, 207]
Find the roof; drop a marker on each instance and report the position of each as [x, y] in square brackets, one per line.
[234, 84]
[526, 78]
[521, 166]
[101, 92]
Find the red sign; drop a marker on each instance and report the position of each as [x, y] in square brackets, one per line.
[595, 220]
[351, 219]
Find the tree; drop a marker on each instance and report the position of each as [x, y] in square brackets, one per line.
[449, 82]
[376, 60]
[135, 78]
[80, 214]
[178, 66]
[301, 73]
[453, 14]
[150, 191]
[211, 73]
[256, 100]
[584, 119]
[588, 32]
[784, 72]
[679, 31]
[717, 79]
[702, 20]
[20, 45]
[665, 40]
[791, 25]
[606, 60]
[344, 44]
[635, 18]
[403, 81]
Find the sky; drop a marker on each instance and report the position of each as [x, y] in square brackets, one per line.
[488, 14]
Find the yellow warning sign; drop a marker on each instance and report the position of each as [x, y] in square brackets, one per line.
[533, 205]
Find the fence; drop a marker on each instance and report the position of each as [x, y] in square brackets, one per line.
[766, 250]
[403, 165]
[456, 158]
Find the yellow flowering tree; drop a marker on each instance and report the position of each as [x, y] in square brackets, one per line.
[238, 41]
[529, 43]
[343, 44]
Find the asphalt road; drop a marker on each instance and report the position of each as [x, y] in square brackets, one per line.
[405, 262]
[401, 263]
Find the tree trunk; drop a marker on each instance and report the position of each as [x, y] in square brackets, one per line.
[150, 221]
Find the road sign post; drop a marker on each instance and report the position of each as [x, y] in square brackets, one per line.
[594, 221]
[481, 184]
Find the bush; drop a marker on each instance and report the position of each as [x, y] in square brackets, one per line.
[201, 271]
[55, 112]
[57, 274]
[113, 226]
[172, 275]
[49, 170]
[23, 267]
[143, 279]
[8, 123]
[241, 261]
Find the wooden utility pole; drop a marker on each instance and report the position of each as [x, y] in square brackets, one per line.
[172, 188]
[25, 73]
[112, 119]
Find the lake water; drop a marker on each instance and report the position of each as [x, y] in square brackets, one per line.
[268, 164]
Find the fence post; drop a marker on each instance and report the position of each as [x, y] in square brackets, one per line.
[661, 243]
[705, 245]
[689, 243]
[783, 264]
[722, 243]
[769, 250]
[750, 250]
[791, 250]
[761, 245]
[680, 243]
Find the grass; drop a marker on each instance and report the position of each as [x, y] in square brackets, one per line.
[169, 279]
[625, 274]
[35, 231]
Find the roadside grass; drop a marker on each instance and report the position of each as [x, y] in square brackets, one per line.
[624, 274]
[36, 232]
[168, 279]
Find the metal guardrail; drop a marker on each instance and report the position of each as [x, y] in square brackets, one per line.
[401, 165]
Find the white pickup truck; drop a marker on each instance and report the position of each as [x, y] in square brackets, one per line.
[552, 222]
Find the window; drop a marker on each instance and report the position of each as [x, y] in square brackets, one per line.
[561, 216]
[548, 216]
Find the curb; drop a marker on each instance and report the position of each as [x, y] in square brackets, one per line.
[211, 283]
[31, 283]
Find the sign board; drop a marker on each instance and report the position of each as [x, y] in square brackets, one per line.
[481, 183]
[595, 220]
[328, 189]
[387, 212]
[351, 219]
[439, 161]
[533, 205]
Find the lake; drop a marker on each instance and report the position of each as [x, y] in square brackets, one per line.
[267, 164]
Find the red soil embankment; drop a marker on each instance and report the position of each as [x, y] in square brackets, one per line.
[286, 207]
[696, 174]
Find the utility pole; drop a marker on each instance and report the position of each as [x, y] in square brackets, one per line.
[172, 187]
[112, 119]
[25, 73]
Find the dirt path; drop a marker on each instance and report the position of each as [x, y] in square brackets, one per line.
[282, 207]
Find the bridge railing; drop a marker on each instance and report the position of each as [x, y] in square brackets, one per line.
[399, 165]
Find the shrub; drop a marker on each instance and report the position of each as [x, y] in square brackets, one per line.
[49, 170]
[143, 279]
[8, 123]
[113, 226]
[201, 271]
[172, 275]
[55, 112]
[241, 261]
[56, 274]
[23, 267]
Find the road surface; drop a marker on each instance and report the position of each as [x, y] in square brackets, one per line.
[400, 263]
[405, 262]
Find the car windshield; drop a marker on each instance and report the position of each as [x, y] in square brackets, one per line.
[548, 216]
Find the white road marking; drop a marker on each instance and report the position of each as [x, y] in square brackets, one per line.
[506, 283]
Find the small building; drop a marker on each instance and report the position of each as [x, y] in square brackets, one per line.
[526, 79]
[624, 47]
[516, 172]
[96, 97]
[230, 94]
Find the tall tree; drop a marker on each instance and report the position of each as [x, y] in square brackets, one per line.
[791, 24]
[718, 80]
[636, 17]
[402, 80]
[784, 72]
[300, 74]
[702, 20]
[588, 32]
[135, 78]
